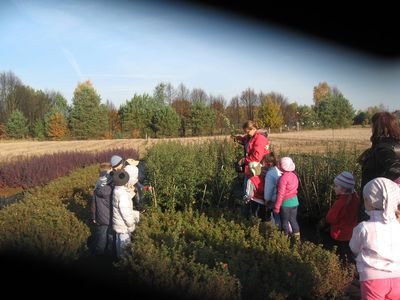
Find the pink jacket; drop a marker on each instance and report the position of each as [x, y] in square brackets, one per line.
[287, 188]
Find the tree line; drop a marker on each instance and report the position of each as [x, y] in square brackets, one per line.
[167, 112]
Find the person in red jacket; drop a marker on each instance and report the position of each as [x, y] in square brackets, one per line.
[254, 196]
[343, 215]
[256, 146]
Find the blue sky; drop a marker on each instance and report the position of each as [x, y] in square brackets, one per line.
[128, 47]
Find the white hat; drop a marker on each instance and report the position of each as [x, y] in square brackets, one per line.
[287, 164]
[382, 194]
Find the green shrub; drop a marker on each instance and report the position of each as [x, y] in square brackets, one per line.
[197, 256]
[316, 174]
[51, 221]
[192, 175]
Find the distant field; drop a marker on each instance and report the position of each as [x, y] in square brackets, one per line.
[307, 141]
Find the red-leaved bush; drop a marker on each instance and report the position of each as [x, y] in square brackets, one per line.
[40, 170]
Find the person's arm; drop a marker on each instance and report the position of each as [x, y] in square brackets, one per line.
[280, 193]
[358, 238]
[93, 209]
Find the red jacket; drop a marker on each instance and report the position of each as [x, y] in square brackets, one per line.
[343, 217]
[256, 148]
[256, 188]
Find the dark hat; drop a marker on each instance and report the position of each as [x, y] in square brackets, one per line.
[120, 177]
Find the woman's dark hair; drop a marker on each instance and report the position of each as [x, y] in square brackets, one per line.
[270, 158]
[384, 124]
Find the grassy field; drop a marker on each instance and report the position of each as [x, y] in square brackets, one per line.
[305, 141]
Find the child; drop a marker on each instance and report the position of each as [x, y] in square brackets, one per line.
[376, 242]
[101, 208]
[343, 214]
[254, 195]
[272, 176]
[286, 200]
[125, 217]
[130, 166]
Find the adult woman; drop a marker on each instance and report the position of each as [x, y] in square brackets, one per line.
[383, 158]
[256, 146]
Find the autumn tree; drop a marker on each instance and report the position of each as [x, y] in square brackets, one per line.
[218, 105]
[270, 114]
[234, 113]
[182, 108]
[57, 126]
[321, 91]
[88, 117]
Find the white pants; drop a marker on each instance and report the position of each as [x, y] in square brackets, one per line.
[122, 240]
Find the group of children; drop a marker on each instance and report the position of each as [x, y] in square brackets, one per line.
[113, 212]
[374, 244]
[271, 193]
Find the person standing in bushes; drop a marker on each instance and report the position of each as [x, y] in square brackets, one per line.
[256, 146]
[376, 242]
[124, 217]
[254, 196]
[286, 200]
[101, 209]
[130, 166]
[382, 159]
[272, 176]
[343, 215]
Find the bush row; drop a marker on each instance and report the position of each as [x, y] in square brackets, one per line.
[51, 221]
[40, 170]
[197, 256]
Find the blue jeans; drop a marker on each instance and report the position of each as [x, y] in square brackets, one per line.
[103, 240]
[289, 215]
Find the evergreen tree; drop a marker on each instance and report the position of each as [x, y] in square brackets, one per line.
[16, 126]
[88, 117]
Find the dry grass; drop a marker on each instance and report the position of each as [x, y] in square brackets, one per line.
[305, 141]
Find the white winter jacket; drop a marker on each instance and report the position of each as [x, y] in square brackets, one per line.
[125, 217]
[377, 246]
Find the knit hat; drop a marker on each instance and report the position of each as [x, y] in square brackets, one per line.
[287, 164]
[345, 180]
[384, 195]
[255, 168]
[120, 177]
[115, 160]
